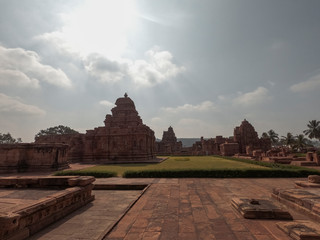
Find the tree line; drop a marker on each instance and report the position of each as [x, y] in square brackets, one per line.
[8, 139]
[298, 142]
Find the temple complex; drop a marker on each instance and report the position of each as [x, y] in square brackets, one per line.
[169, 144]
[123, 138]
[245, 141]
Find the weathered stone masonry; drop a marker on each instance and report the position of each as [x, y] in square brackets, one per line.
[124, 138]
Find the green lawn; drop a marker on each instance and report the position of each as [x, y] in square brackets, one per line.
[177, 163]
[196, 166]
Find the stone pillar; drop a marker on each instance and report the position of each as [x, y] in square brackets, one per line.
[309, 156]
[316, 158]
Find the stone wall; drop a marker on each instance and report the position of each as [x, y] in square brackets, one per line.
[21, 220]
[209, 146]
[28, 157]
[229, 149]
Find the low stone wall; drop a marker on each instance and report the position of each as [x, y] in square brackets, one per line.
[229, 149]
[21, 221]
[30, 157]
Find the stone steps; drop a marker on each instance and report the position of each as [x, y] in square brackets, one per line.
[306, 201]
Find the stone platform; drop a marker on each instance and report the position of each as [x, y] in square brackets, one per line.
[28, 204]
[301, 230]
[186, 209]
[259, 209]
[306, 201]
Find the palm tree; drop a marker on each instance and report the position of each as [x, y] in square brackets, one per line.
[313, 130]
[274, 137]
[265, 135]
[300, 142]
[288, 140]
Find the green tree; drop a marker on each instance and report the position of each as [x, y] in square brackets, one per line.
[313, 130]
[300, 142]
[288, 140]
[274, 137]
[6, 138]
[57, 130]
[265, 135]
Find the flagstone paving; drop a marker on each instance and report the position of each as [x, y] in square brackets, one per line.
[185, 209]
[199, 209]
[93, 220]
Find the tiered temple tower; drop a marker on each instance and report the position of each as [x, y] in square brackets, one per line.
[124, 138]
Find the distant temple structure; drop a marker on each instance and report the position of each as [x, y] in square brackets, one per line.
[169, 144]
[123, 138]
[245, 141]
[248, 139]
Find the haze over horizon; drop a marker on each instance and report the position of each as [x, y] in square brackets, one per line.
[198, 66]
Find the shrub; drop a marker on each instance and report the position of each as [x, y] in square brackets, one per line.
[221, 173]
[96, 174]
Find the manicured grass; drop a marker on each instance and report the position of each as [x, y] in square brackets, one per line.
[196, 166]
[98, 173]
[172, 163]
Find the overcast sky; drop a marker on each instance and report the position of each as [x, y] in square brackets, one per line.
[199, 66]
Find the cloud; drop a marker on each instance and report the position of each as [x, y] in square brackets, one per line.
[17, 78]
[202, 107]
[104, 69]
[256, 97]
[155, 69]
[25, 68]
[12, 105]
[309, 85]
[106, 103]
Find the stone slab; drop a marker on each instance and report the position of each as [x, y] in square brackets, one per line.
[24, 210]
[305, 184]
[301, 230]
[259, 209]
[92, 221]
[306, 201]
[119, 186]
[314, 179]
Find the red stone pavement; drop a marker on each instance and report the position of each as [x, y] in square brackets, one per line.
[198, 209]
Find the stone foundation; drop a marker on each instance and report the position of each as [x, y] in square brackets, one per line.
[31, 157]
[19, 220]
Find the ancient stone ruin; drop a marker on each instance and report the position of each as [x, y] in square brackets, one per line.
[245, 142]
[29, 157]
[248, 139]
[169, 144]
[123, 138]
[210, 146]
[36, 208]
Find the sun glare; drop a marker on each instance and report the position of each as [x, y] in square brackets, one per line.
[100, 26]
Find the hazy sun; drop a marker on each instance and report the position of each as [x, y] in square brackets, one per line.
[100, 26]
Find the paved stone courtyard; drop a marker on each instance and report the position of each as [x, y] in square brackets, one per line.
[93, 220]
[187, 208]
[199, 209]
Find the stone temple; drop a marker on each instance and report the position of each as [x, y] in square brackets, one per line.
[123, 138]
[168, 144]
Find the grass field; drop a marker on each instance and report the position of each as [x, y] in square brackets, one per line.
[177, 163]
[196, 166]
